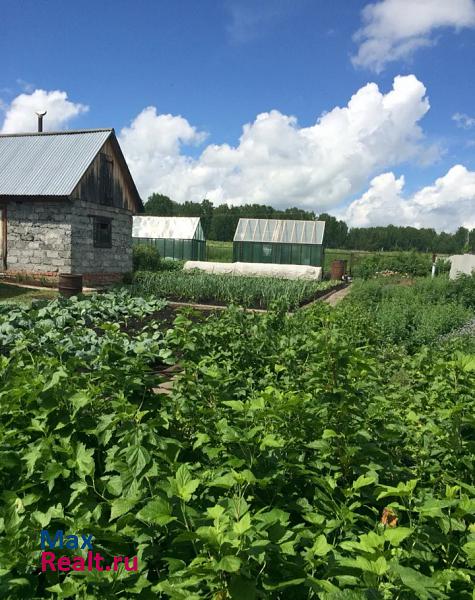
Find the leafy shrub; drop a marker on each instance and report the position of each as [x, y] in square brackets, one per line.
[268, 472]
[462, 289]
[442, 266]
[414, 314]
[145, 258]
[407, 263]
[169, 264]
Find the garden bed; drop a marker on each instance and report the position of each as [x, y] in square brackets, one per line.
[213, 290]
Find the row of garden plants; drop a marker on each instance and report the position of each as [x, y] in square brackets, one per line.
[297, 456]
[250, 292]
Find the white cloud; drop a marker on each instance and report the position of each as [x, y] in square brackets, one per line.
[276, 161]
[445, 206]
[152, 145]
[464, 121]
[20, 113]
[395, 29]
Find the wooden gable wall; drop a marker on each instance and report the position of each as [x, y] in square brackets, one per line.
[105, 185]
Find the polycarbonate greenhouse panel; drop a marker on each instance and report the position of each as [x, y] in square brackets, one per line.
[280, 231]
[284, 254]
[177, 249]
[178, 228]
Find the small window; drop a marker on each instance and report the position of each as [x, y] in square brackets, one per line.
[102, 232]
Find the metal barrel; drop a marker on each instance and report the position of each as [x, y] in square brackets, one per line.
[338, 269]
[69, 285]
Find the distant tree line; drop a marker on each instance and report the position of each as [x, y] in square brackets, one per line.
[220, 222]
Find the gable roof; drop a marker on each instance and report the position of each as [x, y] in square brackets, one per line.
[177, 228]
[51, 164]
[280, 231]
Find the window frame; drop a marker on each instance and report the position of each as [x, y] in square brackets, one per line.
[98, 242]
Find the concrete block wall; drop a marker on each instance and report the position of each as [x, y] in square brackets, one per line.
[45, 238]
[39, 236]
[87, 259]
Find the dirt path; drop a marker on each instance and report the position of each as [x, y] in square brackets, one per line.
[337, 296]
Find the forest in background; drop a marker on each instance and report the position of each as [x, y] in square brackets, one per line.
[219, 223]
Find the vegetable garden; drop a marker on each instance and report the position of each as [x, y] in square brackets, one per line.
[326, 454]
[250, 292]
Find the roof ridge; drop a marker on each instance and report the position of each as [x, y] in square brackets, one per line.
[45, 133]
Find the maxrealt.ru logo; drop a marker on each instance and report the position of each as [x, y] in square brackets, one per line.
[92, 562]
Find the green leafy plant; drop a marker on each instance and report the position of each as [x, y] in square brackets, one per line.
[298, 456]
[145, 257]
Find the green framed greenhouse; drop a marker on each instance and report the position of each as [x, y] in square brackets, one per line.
[278, 241]
[178, 238]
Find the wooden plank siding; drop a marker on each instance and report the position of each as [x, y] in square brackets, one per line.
[91, 187]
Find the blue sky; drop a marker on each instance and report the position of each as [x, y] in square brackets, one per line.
[219, 64]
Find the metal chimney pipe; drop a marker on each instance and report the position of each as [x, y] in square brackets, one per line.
[40, 120]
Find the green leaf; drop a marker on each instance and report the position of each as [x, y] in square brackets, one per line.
[120, 506]
[84, 460]
[243, 524]
[51, 472]
[53, 512]
[137, 458]
[230, 564]
[401, 491]
[321, 547]
[185, 484]
[78, 401]
[396, 535]
[363, 481]
[157, 511]
[469, 549]
[55, 379]
[271, 441]
[31, 457]
[236, 405]
[419, 583]
[225, 481]
[67, 589]
[114, 485]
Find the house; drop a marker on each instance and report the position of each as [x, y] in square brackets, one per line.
[180, 238]
[285, 242]
[66, 206]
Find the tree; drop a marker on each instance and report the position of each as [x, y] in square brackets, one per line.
[335, 231]
[161, 206]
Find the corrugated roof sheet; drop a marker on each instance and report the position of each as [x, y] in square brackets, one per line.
[280, 231]
[177, 228]
[47, 164]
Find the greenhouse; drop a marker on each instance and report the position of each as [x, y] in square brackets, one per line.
[279, 241]
[179, 238]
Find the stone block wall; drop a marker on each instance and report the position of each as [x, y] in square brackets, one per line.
[86, 258]
[39, 236]
[45, 238]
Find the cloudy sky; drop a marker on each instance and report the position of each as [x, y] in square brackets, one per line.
[362, 109]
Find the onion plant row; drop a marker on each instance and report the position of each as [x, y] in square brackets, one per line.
[255, 292]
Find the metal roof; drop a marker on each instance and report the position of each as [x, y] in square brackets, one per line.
[47, 164]
[177, 228]
[280, 231]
